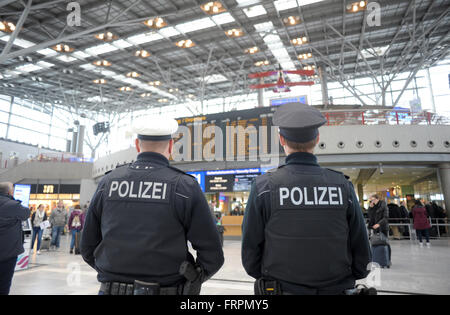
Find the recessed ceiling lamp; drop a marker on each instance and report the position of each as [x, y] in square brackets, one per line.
[99, 81]
[213, 7]
[142, 53]
[305, 56]
[102, 63]
[156, 23]
[185, 43]
[173, 90]
[154, 83]
[133, 74]
[299, 41]
[106, 37]
[125, 89]
[146, 95]
[252, 50]
[63, 48]
[356, 6]
[235, 32]
[191, 96]
[163, 100]
[262, 63]
[310, 67]
[7, 27]
[291, 20]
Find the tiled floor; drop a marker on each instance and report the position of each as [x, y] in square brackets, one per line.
[414, 269]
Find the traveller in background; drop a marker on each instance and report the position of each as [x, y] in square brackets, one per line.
[378, 215]
[421, 222]
[37, 218]
[76, 223]
[394, 218]
[58, 220]
[12, 213]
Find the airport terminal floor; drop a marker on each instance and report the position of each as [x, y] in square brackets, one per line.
[414, 270]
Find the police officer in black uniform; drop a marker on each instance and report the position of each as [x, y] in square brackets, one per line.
[140, 219]
[303, 229]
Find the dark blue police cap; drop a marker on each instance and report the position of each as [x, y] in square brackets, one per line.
[298, 122]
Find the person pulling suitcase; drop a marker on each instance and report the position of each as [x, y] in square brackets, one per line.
[76, 223]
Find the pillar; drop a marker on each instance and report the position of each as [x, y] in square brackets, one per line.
[361, 195]
[261, 95]
[444, 179]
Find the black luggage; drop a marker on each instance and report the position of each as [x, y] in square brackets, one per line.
[381, 254]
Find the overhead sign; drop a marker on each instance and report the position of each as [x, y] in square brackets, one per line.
[22, 193]
[281, 101]
[219, 183]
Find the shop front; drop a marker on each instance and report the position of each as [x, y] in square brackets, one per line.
[49, 195]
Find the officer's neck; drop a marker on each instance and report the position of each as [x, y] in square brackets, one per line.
[164, 153]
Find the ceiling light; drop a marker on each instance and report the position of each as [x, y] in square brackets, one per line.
[146, 95]
[356, 6]
[173, 90]
[309, 67]
[262, 63]
[99, 81]
[102, 63]
[142, 53]
[213, 7]
[7, 27]
[252, 50]
[299, 41]
[305, 56]
[133, 74]
[235, 32]
[155, 83]
[185, 43]
[155, 23]
[163, 100]
[291, 20]
[256, 10]
[106, 36]
[63, 48]
[125, 89]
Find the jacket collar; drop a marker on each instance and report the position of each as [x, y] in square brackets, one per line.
[153, 157]
[302, 158]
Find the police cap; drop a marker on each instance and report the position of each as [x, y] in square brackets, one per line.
[155, 129]
[298, 122]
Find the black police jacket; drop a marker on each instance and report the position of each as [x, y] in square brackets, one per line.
[139, 222]
[303, 226]
[12, 213]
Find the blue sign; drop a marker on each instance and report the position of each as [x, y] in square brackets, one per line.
[22, 193]
[299, 99]
[234, 172]
[200, 176]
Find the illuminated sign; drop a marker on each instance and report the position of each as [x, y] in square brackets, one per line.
[281, 101]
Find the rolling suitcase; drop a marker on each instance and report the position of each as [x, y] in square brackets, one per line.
[381, 254]
[46, 239]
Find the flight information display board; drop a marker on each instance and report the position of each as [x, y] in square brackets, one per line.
[243, 134]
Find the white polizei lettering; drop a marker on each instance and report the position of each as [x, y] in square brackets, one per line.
[332, 194]
[324, 191]
[156, 189]
[140, 190]
[147, 188]
[284, 194]
[307, 202]
[340, 196]
[131, 191]
[114, 186]
[122, 184]
[164, 191]
[300, 199]
[315, 196]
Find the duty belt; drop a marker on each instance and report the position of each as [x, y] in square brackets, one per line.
[117, 288]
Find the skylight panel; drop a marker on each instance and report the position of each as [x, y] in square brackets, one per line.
[223, 18]
[100, 49]
[121, 43]
[169, 32]
[144, 38]
[196, 25]
[81, 55]
[264, 27]
[256, 10]
[28, 68]
[215, 78]
[88, 66]
[45, 64]
[66, 58]
[282, 5]
[47, 52]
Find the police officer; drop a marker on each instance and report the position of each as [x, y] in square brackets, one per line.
[303, 229]
[141, 217]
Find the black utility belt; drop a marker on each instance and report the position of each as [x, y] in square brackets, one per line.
[138, 288]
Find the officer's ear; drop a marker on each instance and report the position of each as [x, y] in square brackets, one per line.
[136, 143]
[282, 140]
[171, 142]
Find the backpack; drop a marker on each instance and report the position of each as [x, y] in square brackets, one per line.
[76, 222]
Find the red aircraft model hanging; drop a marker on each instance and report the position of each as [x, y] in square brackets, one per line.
[281, 85]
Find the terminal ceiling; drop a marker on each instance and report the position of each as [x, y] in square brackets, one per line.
[412, 35]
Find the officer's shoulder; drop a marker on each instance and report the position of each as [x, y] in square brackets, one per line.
[183, 174]
[119, 166]
[338, 173]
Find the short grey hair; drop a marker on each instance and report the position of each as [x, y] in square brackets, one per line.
[6, 187]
